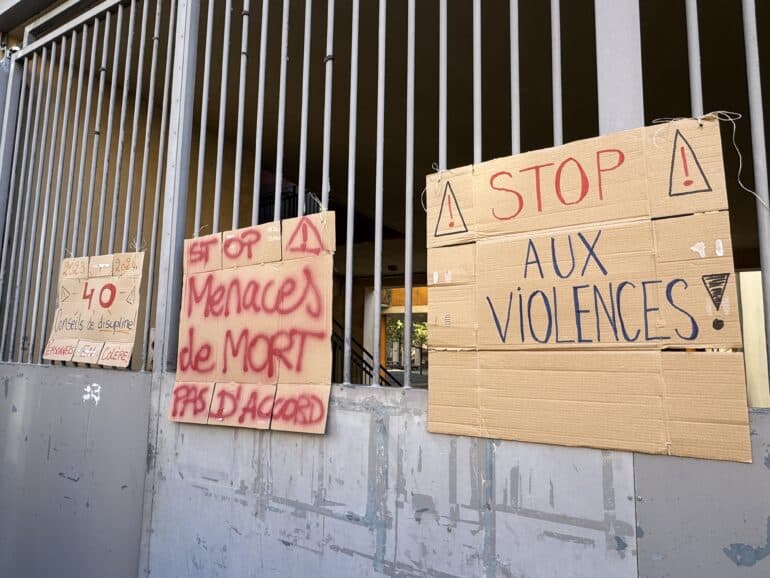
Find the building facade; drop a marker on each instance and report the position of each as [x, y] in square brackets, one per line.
[134, 124]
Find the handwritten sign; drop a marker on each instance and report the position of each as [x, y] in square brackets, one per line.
[255, 327]
[95, 321]
[574, 290]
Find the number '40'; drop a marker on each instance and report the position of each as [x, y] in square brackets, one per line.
[107, 295]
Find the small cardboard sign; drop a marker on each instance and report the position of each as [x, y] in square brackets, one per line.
[574, 291]
[255, 327]
[98, 304]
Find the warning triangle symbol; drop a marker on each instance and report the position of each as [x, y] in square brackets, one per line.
[305, 238]
[715, 284]
[686, 176]
[450, 218]
[131, 295]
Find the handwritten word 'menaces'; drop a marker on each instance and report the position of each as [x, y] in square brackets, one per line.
[269, 292]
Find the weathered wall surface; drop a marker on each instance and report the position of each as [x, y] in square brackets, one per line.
[706, 519]
[378, 495]
[73, 445]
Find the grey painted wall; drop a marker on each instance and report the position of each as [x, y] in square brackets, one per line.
[706, 519]
[72, 471]
[376, 496]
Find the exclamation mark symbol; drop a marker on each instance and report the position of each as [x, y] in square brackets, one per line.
[451, 214]
[687, 181]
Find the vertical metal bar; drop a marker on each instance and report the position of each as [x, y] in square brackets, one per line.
[241, 113]
[378, 190]
[148, 126]
[301, 181]
[122, 129]
[558, 127]
[222, 116]
[477, 103]
[442, 84]
[108, 138]
[204, 118]
[135, 128]
[97, 137]
[6, 76]
[327, 129]
[57, 195]
[759, 153]
[515, 89]
[175, 208]
[409, 194]
[260, 115]
[74, 145]
[351, 204]
[38, 83]
[619, 65]
[13, 80]
[176, 185]
[619, 86]
[43, 234]
[281, 113]
[159, 182]
[15, 192]
[9, 141]
[84, 140]
[693, 58]
[44, 150]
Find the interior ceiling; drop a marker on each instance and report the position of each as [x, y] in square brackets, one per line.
[666, 90]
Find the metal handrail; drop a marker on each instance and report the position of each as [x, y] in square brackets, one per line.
[359, 355]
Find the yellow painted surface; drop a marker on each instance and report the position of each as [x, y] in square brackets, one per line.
[755, 351]
[419, 296]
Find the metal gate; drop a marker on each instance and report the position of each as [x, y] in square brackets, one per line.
[83, 142]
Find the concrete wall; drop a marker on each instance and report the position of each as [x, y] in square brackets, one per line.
[706, 519]
[73, 446]
[376, 496]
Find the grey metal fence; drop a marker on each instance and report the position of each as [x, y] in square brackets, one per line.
[83, 147]
[306, 89]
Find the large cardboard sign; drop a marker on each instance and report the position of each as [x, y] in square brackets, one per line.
[98, 303]
[255, 327]
[577, 295]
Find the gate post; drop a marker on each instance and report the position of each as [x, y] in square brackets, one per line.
[171, 243]
[619, 65]
[177, 182]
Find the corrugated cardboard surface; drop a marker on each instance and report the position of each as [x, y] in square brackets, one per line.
[255, 327]
[98, 304]
[574, 300]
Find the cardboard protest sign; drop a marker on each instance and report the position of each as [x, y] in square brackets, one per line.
[98, 304]
[255, 327]
[573, 301]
